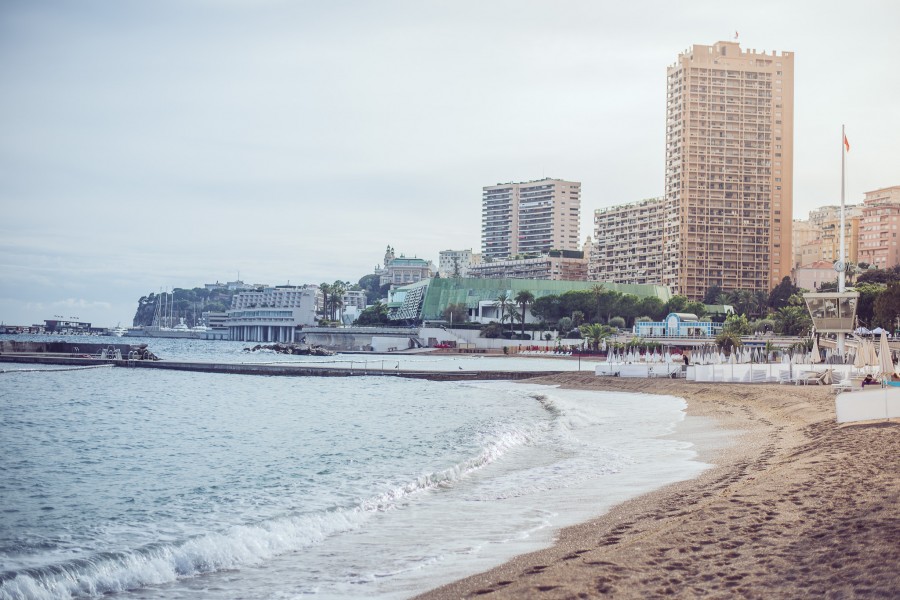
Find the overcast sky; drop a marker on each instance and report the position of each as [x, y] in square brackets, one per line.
[157, 144]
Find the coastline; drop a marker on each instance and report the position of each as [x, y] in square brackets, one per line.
[796, 506]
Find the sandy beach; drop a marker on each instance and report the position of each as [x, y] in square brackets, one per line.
[797, 506]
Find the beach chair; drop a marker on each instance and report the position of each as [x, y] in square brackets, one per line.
[845, 384]
[785, 377]
[810, 378]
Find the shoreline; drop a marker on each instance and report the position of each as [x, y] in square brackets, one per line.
[795, 505]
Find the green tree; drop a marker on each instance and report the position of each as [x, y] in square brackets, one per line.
[617, 322]
[506, 310]
[325, 288]
[711, 296]
[676, 304]
[887, 307]
[547, 308]
[595, 333]
[728, 341]
[373, 288]
[792, 320]
[695, 308]
[523, 299]
[763, 326]
[338, 289]
[760, 303]
[597, 292]
[492, 330]
[374, 315]
[865, 306]
[577, 318]
[456, 313]
[782, 292]
[737, 324]
[564, 326]
[882, 276]
[653, 307]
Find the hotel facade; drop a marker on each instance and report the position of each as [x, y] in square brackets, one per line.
[729, 169]
[530, 217]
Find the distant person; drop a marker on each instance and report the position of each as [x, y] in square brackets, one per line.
[869, 380]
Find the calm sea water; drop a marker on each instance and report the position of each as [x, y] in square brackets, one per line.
[162, 484]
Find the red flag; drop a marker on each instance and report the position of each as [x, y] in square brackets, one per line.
[846, 143]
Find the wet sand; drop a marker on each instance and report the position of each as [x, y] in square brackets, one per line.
[796, 507]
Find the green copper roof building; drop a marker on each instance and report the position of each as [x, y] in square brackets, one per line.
[428, 298]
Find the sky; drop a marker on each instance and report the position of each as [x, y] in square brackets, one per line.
[146, 145]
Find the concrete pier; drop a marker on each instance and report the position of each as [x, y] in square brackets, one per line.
[46, 358]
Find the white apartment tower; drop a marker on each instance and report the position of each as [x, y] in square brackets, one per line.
[530, 217]
[729, 169]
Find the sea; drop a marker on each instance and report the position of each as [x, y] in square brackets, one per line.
[146, 483]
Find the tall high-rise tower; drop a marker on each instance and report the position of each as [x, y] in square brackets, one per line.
[729, 169]
[530, 217]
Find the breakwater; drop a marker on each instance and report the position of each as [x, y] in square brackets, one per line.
[273, 369]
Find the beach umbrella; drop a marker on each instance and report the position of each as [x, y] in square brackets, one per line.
[873, 355]
[859, 357]
[885, 362]
[815, 358]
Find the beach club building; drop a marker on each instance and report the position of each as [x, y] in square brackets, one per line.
[677, 325]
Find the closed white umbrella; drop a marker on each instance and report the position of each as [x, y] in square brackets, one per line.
[884, 359]
[873, 355]
[815, 358]
[859, 358]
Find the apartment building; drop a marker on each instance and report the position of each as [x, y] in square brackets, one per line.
[557, 265]
[530, 217]
[628, 243]
[456, 263]
[729, 169]
[802, 232]
[878, 228]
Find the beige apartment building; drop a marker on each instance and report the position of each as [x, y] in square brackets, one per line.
[819, 238]
[729, 169]
[567, 265]
[628, 243]
[530, 218]
[802, 232]
[878, 228]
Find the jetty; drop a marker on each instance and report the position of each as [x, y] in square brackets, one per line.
[139, 357]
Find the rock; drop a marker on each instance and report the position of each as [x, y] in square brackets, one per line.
[298, 349]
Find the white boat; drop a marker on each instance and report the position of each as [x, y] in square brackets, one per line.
[117, 331]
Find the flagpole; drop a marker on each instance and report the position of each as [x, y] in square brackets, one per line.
[842, 274]
[841, 337]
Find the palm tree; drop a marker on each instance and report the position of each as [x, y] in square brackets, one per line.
[338, 289]
[326, 290]
[504, 306]
[595, 333]
[597, 293]
[728, 341]
[523, 299]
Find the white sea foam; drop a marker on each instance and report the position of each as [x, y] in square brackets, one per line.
[240, 546]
